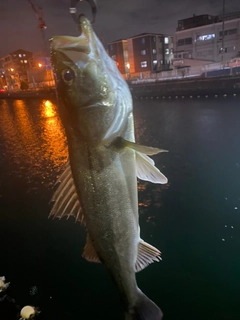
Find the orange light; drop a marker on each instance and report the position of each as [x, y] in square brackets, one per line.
[40, 65]
[12, 69]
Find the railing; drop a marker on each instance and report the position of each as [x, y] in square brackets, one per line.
[207, 71]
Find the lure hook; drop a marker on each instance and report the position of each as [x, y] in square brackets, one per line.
[73, 10]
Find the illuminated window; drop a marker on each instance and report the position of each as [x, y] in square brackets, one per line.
[21, 61]
[154, 51]
[167, 51]
[25, 61]
[154, 61]
[166, 40]
[205, 37]
[143, 52]
[20, 56]
[24, 55]
[143, 64]
[143, 40]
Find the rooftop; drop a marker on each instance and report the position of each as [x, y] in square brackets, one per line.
[205, 19]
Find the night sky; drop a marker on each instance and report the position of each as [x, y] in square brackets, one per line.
[115, 19]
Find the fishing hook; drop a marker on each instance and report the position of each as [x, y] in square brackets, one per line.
[73, 10]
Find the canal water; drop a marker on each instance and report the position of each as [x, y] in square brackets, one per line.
[194, 219]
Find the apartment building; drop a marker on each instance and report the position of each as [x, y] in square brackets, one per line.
[208, 38]
[15, 66]
[142, 54]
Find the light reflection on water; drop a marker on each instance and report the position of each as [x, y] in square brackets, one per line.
[195, 223]
[35, 143]
[33, 139]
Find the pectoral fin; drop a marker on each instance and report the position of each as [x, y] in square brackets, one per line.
[89, 252]
[145, 166]
[142, 149]
[147, 171]
[147, 254]
[65, 198]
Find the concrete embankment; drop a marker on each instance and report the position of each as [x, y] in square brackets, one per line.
[43, 94]
[200, 86]
[172, 88]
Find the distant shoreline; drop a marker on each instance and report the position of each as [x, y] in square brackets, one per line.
[190, 87]
[41, 94]
[158, 89]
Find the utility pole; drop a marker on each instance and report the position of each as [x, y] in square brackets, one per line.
[223, 28]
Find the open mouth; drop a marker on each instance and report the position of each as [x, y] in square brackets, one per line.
[77, 44]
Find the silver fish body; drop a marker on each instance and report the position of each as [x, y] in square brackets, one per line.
[99, 185]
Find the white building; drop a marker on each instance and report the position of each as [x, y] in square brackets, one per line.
[202, 38]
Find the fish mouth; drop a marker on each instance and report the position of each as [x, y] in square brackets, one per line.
[83, 43]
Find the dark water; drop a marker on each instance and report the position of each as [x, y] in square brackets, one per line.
[194, 220]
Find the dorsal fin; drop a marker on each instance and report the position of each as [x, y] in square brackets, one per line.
[65, 198]
[89, 252]
[147, 254]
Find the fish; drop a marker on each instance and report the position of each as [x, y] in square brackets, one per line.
[99, 183]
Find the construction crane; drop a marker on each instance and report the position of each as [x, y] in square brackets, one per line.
[41, 23]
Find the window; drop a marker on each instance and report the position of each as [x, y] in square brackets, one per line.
[171, 51]
[154, 39]
[143, 52]
[143, 40]
[167, 51]
[205, 53]
[205, 37]
[24, 55]
[20, 56]
[25, 61]
[21, 61]
[111, 47]
[166, 40]
[232, 31]
[154, 61]
[182, 42]
[154, 51]
[228, 32]
[143, 64]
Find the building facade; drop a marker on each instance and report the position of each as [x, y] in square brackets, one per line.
[15, 66]
[208, 38]
[142, 54]
[118, 51]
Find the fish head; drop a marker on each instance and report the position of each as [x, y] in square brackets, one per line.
[89, 86]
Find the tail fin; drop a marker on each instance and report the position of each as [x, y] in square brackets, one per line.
[144, 309]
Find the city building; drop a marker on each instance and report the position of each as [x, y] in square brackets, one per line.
[3, 84]
[22, 69]
[40, 75]
[142, 54]
[15, 66]
[207, 38]
[118, 51]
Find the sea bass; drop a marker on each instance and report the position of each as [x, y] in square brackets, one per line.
[99, 184]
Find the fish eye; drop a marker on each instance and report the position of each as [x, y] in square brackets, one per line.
[68, 76]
